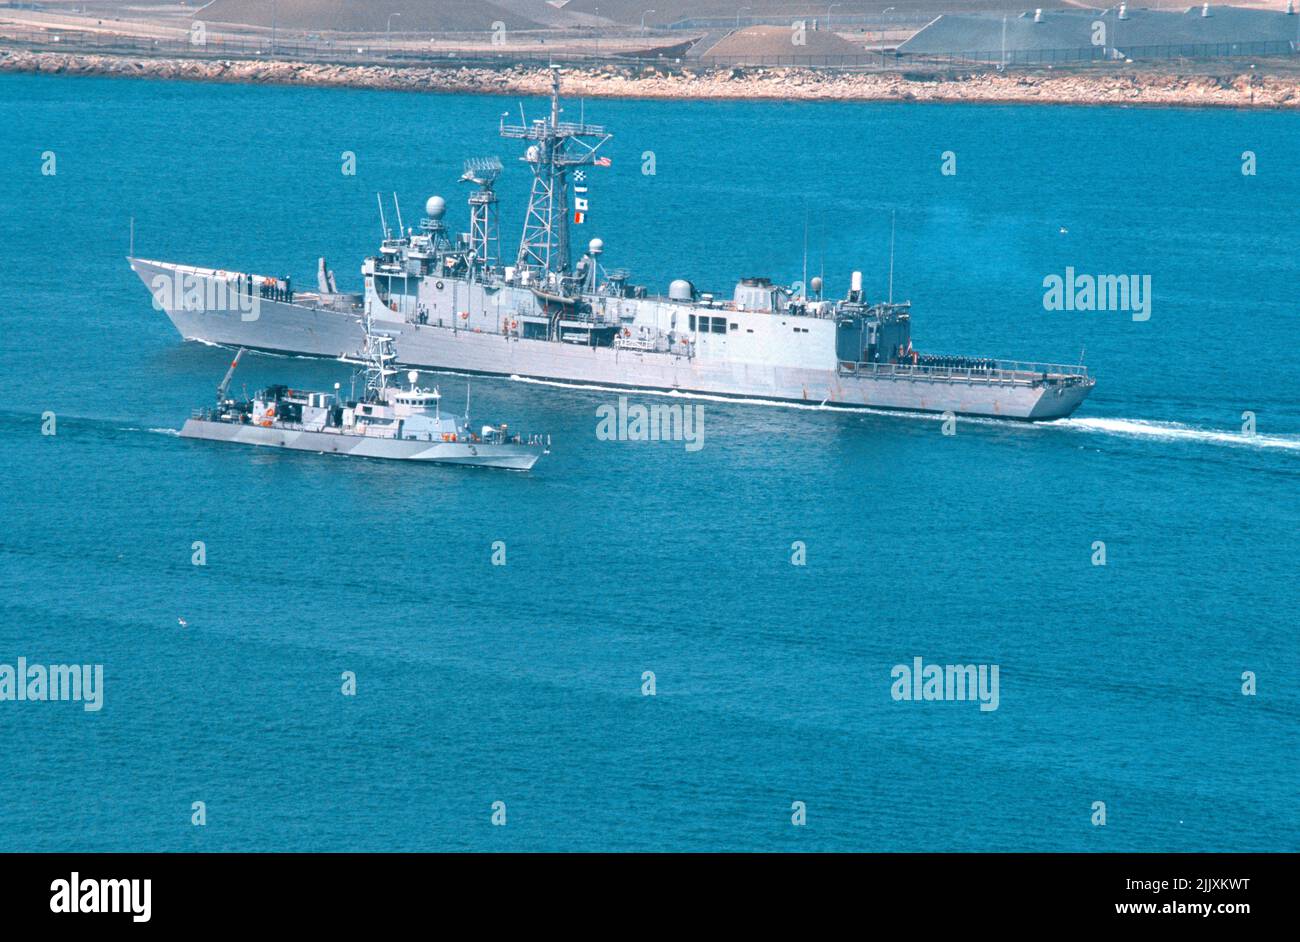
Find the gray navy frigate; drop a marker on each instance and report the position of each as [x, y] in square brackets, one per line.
[453, 304]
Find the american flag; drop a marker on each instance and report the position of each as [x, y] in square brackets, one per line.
[602, 161]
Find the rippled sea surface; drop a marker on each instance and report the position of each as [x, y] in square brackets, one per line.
[523, 683]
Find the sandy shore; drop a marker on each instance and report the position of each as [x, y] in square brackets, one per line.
[1233, 86]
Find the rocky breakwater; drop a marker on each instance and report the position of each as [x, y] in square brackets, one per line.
[1100, 86]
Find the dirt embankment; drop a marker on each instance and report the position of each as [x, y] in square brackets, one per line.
[1232, 85]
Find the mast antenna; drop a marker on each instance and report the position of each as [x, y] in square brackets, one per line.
[892, 219]
[398, 206]
[821, 249]
[383, 223]
[805, 251]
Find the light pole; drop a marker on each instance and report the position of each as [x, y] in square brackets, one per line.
[389, 31]
[883, 24]
[828, 14]
[738, 12]
[643, 16]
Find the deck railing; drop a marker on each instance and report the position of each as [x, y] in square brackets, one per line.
[992, 372]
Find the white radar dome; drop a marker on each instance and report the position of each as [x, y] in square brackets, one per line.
[435, 207]
[596, 246]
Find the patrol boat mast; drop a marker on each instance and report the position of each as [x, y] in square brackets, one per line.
[378, 355]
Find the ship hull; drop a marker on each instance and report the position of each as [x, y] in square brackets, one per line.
[302, 329]
[509, 456]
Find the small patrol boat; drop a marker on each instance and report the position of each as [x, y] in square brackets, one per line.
[387, 422]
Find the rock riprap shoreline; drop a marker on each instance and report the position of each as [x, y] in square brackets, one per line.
[1157, 87]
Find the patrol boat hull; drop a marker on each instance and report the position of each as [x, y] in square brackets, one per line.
[509, 456]
[315, 330]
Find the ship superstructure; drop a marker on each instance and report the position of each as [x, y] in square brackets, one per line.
[453, 302]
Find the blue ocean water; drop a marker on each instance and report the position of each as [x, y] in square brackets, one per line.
[522, 683]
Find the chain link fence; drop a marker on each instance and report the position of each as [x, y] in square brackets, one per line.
[359, 52]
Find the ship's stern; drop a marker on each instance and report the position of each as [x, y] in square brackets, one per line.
[1059, 400]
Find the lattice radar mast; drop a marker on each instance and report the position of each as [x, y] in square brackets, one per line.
[484, 229]
[556, 147]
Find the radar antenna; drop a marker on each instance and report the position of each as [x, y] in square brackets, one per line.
[484, 233]
[544, 245]
[383, 223]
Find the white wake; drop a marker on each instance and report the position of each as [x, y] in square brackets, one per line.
[1175, 431]
[1133, 428]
